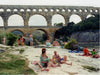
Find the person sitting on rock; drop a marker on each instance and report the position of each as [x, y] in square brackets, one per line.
[94, 54]
[43, 61]
[55, 57]
[22, 40]
[55, 43]
[86, 51]
[48, 44]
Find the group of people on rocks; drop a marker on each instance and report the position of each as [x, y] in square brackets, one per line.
[56, 60]
[93, 53]
[86, 52]
[55, 43]
[21, 40]
[45, 62]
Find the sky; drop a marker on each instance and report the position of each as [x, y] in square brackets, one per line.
[95, 3]
[39, 20]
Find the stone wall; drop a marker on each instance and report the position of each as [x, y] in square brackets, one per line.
[87, 37]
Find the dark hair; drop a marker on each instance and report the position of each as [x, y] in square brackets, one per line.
[18, 38]
[93, 49]
[43, 50]
[21, 36]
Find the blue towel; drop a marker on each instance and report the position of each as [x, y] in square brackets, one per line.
[74, 51]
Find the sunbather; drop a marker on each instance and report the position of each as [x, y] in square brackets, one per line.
[57, 59]
[94, 54]
[86, 52]
[63, 60]
[43, 61]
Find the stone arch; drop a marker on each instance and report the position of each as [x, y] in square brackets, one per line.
[12, 20]
[35, 19]
[19, 31]
[22, 10]
[45, 32]
[8, 10]
[40, 10]
[46, 10]
[75, 18]
[34, 10]
[90, 15]
[39, 33]
[1, 21]
[59, 19]
[1, 10]
[15, 10]
[28, 10]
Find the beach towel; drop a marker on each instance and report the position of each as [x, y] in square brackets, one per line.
[74, 51]
[85, 55]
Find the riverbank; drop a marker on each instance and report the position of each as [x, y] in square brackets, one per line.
[33, 54]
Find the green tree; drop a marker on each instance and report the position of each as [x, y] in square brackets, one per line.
[11, 38]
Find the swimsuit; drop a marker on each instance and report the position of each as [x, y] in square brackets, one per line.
[44, 60]
[61, 60]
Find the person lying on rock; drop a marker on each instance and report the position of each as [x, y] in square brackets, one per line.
[86, 52]
[94, 54]
[58, 60]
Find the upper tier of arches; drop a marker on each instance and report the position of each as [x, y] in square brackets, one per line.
[27, 14]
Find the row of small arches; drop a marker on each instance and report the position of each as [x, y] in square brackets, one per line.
[51, 10]
[40, 20]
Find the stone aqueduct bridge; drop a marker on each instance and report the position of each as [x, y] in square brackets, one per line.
[26, 11]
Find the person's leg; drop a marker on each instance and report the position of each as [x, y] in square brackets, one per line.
[31, 43]
[22, 43]
[64, 61]
[96, 56]
[51, 64]
[39, 65]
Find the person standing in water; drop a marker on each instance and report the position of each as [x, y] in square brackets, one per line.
[31, 40]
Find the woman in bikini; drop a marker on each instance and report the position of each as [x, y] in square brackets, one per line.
[43, 61]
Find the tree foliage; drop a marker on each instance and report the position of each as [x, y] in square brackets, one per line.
[11, 38]
[58, 24]
[91, 23]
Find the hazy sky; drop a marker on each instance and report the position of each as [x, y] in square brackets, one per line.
[56, 19]
[95, 3]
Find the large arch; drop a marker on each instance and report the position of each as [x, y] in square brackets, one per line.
[75, 18]
[57, 18]
[1, 21]
[90, 15]
[37, 20]
[15, 20]
[40, 34]
[17, 32]
[45, 32]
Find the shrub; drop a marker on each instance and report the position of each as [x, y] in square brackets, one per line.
[70, 44]
[11, 38]
[90, 68]
[22, 50]
[1, 36]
